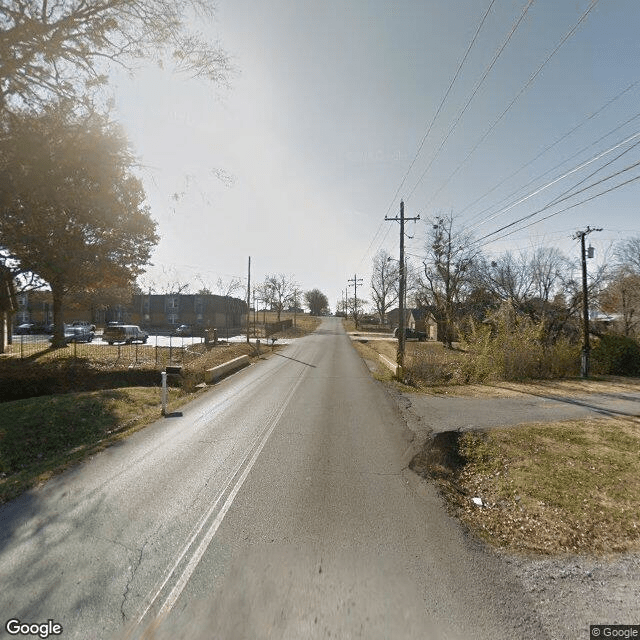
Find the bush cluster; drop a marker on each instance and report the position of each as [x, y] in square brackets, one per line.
[616, 355]
[512, 348]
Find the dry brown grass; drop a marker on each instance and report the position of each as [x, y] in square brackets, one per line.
[565, 487]
[44, 435]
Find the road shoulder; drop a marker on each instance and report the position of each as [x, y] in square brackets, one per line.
[570, 590]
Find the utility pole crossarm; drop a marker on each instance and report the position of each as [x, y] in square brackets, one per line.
[401, 296]
[354, 282]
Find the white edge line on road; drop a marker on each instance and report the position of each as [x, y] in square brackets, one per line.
[197, 556]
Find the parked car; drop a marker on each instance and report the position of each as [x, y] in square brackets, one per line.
[24, 329]
[184, 330]
[84, 323]
[126, 333]
[76, 334]
[410, 334]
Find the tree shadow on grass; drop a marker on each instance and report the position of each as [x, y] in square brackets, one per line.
[41, 436]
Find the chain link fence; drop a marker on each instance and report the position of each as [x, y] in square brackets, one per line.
[157, 351]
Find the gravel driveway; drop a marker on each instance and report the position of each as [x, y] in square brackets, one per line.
[446, 413]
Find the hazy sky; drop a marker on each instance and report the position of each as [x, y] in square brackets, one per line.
[298, 163]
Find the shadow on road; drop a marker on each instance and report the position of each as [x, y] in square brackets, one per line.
[581, 402]
[300, 361]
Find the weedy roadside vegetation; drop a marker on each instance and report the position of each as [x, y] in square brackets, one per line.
[555, 488]
[564, 487]
[517, 350]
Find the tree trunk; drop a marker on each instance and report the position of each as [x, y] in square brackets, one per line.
[4, 328]
[57, 291]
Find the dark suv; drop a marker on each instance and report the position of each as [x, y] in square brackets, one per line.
[411, 334]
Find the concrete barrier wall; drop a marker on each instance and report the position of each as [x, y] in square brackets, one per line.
[391, 365]
[211, 375]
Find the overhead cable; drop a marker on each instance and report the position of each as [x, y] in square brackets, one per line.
[516, 97]
[545, 150]
[555, 202]
[473, 94]
[430, 127]
[558, 179]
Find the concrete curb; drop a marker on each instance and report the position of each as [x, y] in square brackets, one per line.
[391, 365]
[216, 373]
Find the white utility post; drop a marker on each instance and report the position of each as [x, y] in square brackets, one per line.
[164, 393]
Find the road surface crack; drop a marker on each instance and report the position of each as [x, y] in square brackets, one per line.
[133, 568]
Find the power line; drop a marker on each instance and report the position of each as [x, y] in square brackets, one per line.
[557, 166]
[516, 97]
[548, 148]
[555, 213]
[597, 195]
[439, 109]
[558, 179]
[568, 193]
[429, 128]
[473, 94]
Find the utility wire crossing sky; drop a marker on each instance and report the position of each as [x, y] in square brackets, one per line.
[518, 118]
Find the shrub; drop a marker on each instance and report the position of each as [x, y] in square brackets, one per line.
[516, 348]
[431, 366]
[616, 355]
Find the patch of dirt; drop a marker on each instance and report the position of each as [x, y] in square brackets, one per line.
[570, 590]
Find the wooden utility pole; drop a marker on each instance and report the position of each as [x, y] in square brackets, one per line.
[586, 346]
[248, 299]
[255, 313]
[354, 282]
[403, 285]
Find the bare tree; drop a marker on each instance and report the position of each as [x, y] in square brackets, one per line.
[622, 296]
[64, 48]
[279, 291]
[450, 255]
[548, 266]
[341, 308]
[627, 253]
[510, 277]
[172, 282]
[227, 287]
[356, 304]
[384, 283]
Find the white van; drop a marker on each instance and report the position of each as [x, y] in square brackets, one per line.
[127, 333]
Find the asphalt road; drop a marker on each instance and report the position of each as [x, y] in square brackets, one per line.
[278, 505]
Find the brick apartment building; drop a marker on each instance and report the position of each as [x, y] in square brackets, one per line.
[198, 310]
[157, 311]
